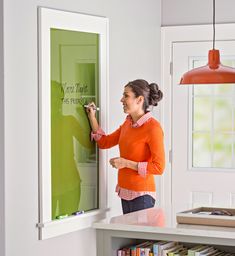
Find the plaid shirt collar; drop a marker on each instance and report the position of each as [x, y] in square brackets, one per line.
[140, 121]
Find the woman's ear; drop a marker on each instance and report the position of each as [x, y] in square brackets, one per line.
[140, 99]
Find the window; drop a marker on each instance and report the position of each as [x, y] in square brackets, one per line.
[213, 123]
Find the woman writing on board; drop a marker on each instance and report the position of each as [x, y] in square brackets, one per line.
[140, 141]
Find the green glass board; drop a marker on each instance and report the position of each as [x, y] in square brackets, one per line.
[74, 158]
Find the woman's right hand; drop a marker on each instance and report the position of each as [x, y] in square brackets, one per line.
[91, 109]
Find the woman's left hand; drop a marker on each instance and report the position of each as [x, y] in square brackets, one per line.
[118, 162]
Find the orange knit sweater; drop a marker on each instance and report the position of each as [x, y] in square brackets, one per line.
[141, 144]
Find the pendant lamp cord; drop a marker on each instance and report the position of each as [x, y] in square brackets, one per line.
[213, 24]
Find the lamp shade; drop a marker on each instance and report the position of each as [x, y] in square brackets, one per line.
[212, 73]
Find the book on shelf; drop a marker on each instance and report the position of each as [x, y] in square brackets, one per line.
[140, 248]
[182, 253]
[205, 252]
[125, 251]
[191, 251]
[165, 246]
[119, 252]
[147, 251]
[167, 251]
[199, 250]
[143, 249]
[148, 248]
[181, 250]
[225, 254]
[133, 250]
[156, 247]
[211, 252]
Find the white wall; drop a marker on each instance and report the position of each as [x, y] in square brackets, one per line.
[2, 217]
[190, 12]
[134, 53]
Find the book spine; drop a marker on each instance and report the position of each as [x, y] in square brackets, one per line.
[119, 253]
[155, 249]
[142, 252]
[146, 251]
[137, 251]
[133, 251]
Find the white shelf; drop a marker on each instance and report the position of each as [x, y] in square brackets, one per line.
[149, 224]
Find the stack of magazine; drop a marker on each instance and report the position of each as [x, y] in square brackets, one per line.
[170, 248]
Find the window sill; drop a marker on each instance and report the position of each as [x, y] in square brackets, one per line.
[70, 224]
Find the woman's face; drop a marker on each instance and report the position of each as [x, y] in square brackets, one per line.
[130, 103]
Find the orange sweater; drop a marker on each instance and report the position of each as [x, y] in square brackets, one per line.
[141, 144]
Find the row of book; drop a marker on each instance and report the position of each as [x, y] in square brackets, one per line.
[170, 248]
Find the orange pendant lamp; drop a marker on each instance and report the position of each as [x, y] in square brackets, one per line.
[212, 73]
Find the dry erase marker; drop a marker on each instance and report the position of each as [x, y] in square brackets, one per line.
[78, 213]
[62, 216]
[95, 108]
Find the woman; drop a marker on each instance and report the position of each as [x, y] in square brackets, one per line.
[140, 140]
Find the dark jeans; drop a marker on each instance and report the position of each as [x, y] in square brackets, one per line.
[139, 203]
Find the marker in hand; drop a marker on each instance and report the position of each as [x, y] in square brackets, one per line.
[95, 108]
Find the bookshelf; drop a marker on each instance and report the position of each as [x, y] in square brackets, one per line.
[150, 224]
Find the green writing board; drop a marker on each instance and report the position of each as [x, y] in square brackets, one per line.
[74, 158]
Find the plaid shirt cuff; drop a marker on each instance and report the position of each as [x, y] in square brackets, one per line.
[97, 135]
[142, 169]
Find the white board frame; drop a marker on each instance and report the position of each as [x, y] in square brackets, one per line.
[47, 19]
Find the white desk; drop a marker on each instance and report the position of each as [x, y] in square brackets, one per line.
[151, 224]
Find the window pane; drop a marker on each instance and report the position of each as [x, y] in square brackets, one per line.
[199, 62]
[201, 150]
[223, 89]
[222, 114]
[202, 89]
[222, 150]
[202, 114]
[229, 62]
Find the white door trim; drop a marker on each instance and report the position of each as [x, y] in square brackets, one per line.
[170, 35]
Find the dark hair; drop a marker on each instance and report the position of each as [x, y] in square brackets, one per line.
[151, 93]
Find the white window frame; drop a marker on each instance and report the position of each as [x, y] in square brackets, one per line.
[190, 148]
[51, 18]
[170, 35]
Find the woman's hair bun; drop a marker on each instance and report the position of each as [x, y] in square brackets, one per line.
[155, 94]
